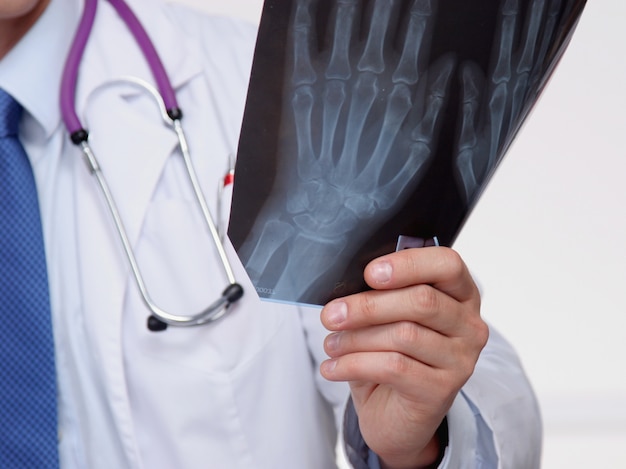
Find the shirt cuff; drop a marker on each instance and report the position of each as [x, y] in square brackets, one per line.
[471, 443]
[372, 460]
[357, 451]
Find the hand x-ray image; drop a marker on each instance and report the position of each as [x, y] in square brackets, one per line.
[370, 120]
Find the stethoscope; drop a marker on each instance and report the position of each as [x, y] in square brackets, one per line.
[171, 114]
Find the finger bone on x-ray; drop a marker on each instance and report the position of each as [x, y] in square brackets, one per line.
[303, 72]
[339, 64]
[373, 59]
[407, 70]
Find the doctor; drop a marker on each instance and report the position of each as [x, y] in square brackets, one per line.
[430, 384]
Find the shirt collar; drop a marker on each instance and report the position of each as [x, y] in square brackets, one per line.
[31, 71]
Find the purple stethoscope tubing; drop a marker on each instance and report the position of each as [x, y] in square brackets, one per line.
[74, 58]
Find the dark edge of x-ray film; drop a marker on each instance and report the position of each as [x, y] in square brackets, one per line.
[304, 220]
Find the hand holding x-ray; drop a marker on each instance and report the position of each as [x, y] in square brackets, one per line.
[494, 108]
[361, 110]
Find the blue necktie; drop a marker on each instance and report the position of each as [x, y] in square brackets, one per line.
[28, 408]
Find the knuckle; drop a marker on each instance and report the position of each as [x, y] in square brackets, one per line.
[447, 383]
[467, 371]
[460, 373]
[457, 381]
[467, 353]
[424, 298]
[476, 299]
[405, 333]
[368, 307]
[349, 366]
[453, 262]
[347, 343]
[466, 366]
[482, 334]
[478, 332]
[397, 365]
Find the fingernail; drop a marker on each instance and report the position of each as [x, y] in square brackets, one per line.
[381, 272]
[336, 313]
[332, 342]
[329, 366]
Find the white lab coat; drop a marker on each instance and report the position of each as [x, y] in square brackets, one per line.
[241, 393]
[244, 392]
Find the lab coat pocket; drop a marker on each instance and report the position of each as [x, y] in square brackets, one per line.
[184, 275]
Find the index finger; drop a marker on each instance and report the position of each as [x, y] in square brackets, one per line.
[440, 267]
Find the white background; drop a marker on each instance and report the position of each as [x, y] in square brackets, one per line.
[547, 242]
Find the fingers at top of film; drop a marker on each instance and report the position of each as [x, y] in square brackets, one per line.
[539, 23]
[346, 18]
[415, 46]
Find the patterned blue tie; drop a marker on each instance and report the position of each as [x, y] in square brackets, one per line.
[28, 410]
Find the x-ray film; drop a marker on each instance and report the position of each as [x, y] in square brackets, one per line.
[369, 122]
